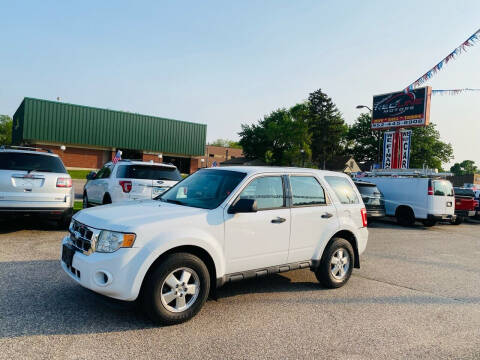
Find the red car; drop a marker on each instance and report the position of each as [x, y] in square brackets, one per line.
[465, 204]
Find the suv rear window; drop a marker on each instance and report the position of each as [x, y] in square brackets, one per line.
[464, 192]
[30, 162]
[369, 190]
[343, 189]
[148, 172]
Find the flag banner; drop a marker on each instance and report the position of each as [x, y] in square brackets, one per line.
[452, 91]
[118, 156]
[388, 149]
[457, 51]
[405, 141]
[399, 109]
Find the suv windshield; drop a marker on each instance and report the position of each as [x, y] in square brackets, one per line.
[152, 172]
[205, 189]
[31, 162]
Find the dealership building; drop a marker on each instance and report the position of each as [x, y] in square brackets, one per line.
[87, 137]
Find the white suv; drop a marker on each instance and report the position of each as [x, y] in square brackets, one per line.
[128, 180]
[34, 182]
[216, 226]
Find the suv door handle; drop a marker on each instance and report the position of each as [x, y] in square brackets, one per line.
[278, 220]
[327, 216]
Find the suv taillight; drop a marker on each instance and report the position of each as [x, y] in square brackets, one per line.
[64, 182]
[126, 186]
[364, 217]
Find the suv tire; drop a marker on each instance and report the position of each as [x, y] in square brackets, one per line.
[336, 264]
[176, 289]
[405, 217]
[107, 199]
[458, 220]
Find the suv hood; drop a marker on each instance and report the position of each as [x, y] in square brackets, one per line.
[129, 215]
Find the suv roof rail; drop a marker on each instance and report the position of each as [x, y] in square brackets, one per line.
[14, 147]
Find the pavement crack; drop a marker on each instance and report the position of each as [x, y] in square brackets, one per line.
[414, 289]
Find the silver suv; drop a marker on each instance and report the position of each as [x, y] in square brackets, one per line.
[35, 182]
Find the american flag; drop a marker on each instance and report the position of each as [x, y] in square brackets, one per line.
[118, 156]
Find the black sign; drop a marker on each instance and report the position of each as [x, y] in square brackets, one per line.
[402, 109]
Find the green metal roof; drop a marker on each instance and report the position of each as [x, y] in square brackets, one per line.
[50, 121]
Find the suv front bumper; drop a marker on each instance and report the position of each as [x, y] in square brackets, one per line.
[109, 274]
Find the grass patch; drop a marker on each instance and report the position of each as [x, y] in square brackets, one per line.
[77, 206]
[79, 174]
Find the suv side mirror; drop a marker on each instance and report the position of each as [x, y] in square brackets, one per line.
[91, 175]
[243, 206]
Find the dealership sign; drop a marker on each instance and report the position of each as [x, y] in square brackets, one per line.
[388, 138]
[405, 140]
[402, 109]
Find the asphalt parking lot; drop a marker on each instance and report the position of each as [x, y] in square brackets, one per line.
[417, 295]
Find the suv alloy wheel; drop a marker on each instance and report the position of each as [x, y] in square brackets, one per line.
[177, 289]
[337, 264]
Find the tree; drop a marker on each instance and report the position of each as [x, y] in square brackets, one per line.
[279, 138]
[364, 145]
[226, 143]
[5, 130]
[327, 127]
[464, 168]
[427, 148]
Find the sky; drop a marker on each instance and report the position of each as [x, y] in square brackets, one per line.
[227, 63]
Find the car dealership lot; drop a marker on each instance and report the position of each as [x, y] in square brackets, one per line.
[416, 296]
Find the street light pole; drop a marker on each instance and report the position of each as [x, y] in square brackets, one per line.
[379, 155]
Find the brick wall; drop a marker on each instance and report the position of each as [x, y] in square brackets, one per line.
[148, 157]
[220, 154]
[81, 157]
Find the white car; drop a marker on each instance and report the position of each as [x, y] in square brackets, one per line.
[128, 180]
[411, 198]
[216, 226]
[34, 182]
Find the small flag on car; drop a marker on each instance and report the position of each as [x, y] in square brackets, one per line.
[118, 156]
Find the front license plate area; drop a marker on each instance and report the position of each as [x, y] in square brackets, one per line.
[67, 255]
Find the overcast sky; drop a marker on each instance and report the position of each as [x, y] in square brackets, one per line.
[224, 63]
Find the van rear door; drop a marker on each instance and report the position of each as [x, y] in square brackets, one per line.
[441, 197]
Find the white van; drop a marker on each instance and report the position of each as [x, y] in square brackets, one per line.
[410, 198]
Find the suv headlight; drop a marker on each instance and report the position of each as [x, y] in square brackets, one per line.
[111, 241]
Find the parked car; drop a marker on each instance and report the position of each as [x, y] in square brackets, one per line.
[128, 180]
[372, 198]
[216, 226]
[465, 204]
[413, 198]
[34, 182]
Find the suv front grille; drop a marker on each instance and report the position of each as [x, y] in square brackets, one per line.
[83, 237]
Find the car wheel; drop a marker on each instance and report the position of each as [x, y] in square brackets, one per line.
[429, 223]
[405, 217]
[176, 290]
[85, 201]
[458, 220]
[107, 199]
[336, 265]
